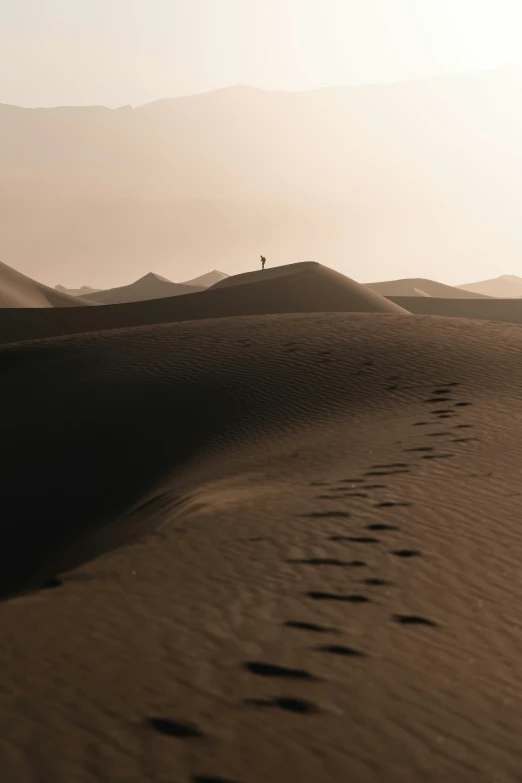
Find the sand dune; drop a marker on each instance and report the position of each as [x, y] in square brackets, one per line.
[208, 279]
[296, 288]
[506, 310]
[324, 580]
[18, 290]
[84, 289]
[422, 287]
[503, 287]
[151, 286]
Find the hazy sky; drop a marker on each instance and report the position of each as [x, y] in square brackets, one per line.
[115, 52]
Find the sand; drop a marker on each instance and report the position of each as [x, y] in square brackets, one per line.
[295, 288]
[320, 580]
[419, 286]
[19, 291]
[502, 310]
[150, 286]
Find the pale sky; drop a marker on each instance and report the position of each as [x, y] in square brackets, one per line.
[115, 52]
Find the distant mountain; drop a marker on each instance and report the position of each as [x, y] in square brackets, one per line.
[85, 289]
[360, 177]
[503, 287]
[151, 286]
[421, 287]
[18, 290]
[207, 280]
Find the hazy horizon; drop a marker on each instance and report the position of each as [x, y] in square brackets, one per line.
[381, 139]
[138, 51]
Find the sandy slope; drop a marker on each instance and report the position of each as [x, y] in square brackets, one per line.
[308, 287]
[507, 310]
[150, 286]
[505, 286]
[208, 279]
[326, 582]
[18, 290]
[418, 286]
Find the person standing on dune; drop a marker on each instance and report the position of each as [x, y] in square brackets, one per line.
[263, 262]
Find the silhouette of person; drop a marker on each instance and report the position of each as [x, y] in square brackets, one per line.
[263, 262]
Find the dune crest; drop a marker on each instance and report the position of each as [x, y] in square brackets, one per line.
[305, 287]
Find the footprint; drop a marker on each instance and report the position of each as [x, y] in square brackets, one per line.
[420, 423]
[327, 515]
[464, 440]
[355, 539]
[421, 448]
[374, 581]
[462, 404]
[442, 391]
[352, 599]
[407, 553]
[381, 526]
[438, 434]
[287, 703]
[392, 465]
[318, 484]
[350, 481]
[339, 649]
[330, 561]
[387, 472]
[463, 426]
[391, 504]
[332, 497]
[374, 486]
[438, 399]
[210, 779]
[52, 583]
[437, 456]
[172, 728]
[413, 619]
[445, 416]
[269, 670]
[442, 410]
[354, 495]
[309, 627]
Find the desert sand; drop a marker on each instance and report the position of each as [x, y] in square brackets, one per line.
[151, 286]
[19, 291]
[504, 287]
[503, 310]
[276, 547]
[294, 288]
[208, 279]
[422, 287]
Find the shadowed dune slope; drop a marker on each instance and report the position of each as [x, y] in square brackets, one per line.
[507, 310]
[19, 291]
[313, 288]
[151, 286]
[324, 579]
[422, 287]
